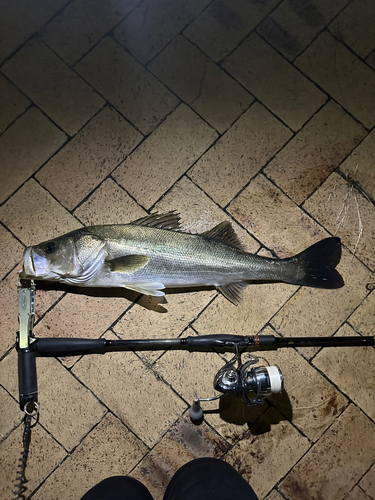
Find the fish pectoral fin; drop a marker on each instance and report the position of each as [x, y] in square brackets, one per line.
[233, 292]
[151, 288]
[225, 233]
[127, 263]
[168, 220]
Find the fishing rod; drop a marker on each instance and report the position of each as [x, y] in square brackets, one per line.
[253, 383]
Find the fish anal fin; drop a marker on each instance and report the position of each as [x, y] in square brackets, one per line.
[128, 263]
[225, 233]
[233, 292]
[168, 220]
[151, 288]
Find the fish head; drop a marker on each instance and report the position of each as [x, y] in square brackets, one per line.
[71, 258]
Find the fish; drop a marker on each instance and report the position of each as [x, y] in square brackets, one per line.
[153, 253]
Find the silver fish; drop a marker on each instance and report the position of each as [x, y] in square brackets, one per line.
[152, 253]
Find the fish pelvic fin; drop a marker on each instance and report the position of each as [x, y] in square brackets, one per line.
[318, 264]
[151, 288]
[233, 292]
[225, 233]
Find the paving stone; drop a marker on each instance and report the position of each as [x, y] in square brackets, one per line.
[99, 373]
[334, 465]
[44, 456]
[274, 495]
[307, 160]
[9, 308]
[11, 252]
[357, 494]
[34, 216]
[257, 456]
[310, 402]
[261, 302]
[210, 91]
[149, 28]
[23, 19]
[9, 373]
[96, 210]
[53, 86]
[10, 413]
[354, 26]
[342, 209]
[275, 82]
[222, 26]
[269, 215]
[70, 410]
[89, 157]
[12, 103]
[359, 165]
[79, 27]
[108, 450]
[182, 443]
[239, 154]
[347, 367]
[24, 147]
[340, 73]
[371, 59]
[293, 24]
[164, 156]
[363, 318]
[368, 481]
[126, 84]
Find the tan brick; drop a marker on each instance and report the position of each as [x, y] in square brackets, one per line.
[149, 28]
[53, 86]
[334, 465]
[24, 147]
[108, 450]
[89, 157]
[211, 92]
[34, 216]
[340, 73]
[125, 83]
[237, 156]
[164, 156]
[12, 103]
[308, 159]
[221, 27]
[275, 82]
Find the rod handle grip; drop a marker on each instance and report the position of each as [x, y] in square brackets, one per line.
[27, 377]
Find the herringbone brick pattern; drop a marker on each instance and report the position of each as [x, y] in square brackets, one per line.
[258, 112]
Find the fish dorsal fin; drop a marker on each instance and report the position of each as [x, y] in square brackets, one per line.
[168, 220]
[233, 292]
[225, 233]
[127, 263]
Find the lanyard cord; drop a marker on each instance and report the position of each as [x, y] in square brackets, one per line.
[20, 478]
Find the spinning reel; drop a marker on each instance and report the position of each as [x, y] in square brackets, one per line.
[253, 383]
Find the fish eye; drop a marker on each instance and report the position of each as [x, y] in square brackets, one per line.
[50, 247]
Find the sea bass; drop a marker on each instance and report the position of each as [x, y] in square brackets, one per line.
[153, 253]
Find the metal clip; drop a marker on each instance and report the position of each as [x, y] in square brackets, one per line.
[26, 312]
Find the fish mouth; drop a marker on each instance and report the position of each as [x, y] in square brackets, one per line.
[28, 263]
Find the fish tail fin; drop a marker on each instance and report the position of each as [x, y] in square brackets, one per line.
[318, 263]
